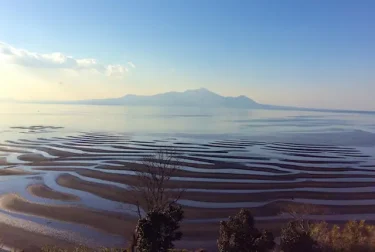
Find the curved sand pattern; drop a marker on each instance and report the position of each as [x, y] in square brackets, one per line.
[221, 174]
[44, 191]
[108, 222]
[15, 171]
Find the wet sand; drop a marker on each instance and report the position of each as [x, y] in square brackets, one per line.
[130, 180]
[80, 169]
[120, 194]
[15, 171]
[44, 191]
[28, 241]
[118, 224]
[102, 190]
[109, 222]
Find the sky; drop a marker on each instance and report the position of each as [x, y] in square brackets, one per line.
[312, 53]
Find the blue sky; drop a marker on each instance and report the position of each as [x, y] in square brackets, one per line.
[311, 53]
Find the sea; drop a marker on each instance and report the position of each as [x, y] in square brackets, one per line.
[356, 129]
[305, 157]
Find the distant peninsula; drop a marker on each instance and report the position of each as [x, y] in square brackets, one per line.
[191, 98]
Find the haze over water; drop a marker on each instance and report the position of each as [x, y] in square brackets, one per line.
[191, 122]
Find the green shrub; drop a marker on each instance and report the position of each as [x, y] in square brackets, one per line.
[79, 249]
[354, 236]
[159, 229]
[239, 234]
[295, 237]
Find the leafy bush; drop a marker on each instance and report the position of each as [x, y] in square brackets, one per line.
[79, 249]
[295, 237]
[239, 234]
[354, 236]
[159, 229]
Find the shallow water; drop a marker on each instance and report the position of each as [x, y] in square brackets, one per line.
[182, 122]
[226, 141]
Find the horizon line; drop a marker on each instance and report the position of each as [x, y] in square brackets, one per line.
[266, 106]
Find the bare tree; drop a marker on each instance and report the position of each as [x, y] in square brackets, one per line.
[301, 214]
[152, 180]
[151, 189]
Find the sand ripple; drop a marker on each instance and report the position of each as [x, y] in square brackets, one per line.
[87, 175]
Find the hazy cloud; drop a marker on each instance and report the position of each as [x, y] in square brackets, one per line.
[59, 61]
[131, 64]
[116, 70]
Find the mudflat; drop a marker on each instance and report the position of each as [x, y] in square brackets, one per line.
[87, 176]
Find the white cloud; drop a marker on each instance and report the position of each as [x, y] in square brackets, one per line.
[116, 70]
[87, 63]
[57, 60]
[131, 64]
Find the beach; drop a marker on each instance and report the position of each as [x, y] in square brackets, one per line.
[82, 183]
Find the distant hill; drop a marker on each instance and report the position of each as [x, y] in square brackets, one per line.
[196, 97]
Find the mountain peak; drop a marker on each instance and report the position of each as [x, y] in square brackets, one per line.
[193, 97]
[199, 90]
[203, 90]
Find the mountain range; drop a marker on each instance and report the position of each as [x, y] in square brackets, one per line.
[196, 97]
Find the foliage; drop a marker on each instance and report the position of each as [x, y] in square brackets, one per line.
[295, 237]
[239, 234]
[159, 229]
[185, 250]
[354, 236]
[151, 194]
[79, 249]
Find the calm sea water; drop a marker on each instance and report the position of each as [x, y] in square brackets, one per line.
[38, 131]
[191, 122]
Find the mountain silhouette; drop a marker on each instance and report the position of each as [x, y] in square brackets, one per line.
[194, 97]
